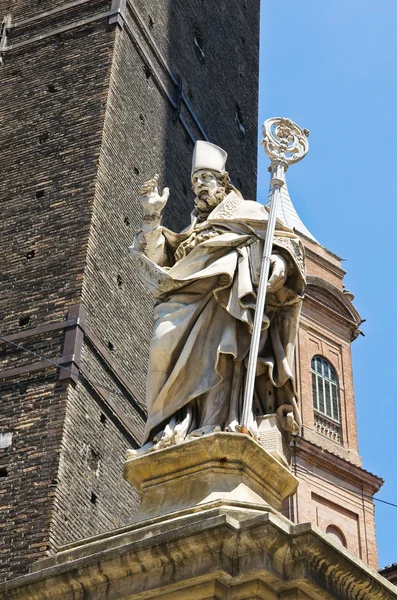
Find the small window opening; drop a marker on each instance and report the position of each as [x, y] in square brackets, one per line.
[92, 459]
[40, 194]
[119, 281]
[23, 388]
[30, 254]
[142, 118]
[110, 346]
[127, 221]
[3, 472]
[43, 138]
[103, 418]
[94, 498]
[51, 89]
[148, 71]
[57, 40]
[136, 171]
[24, 320]
[151, 22]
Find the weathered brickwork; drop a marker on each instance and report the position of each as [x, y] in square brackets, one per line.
[53, 98]
[91, 496]
[84, 121]
[50, 140]
[32, 411]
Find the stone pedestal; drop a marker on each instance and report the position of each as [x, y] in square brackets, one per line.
[226, 467]
[208, 529]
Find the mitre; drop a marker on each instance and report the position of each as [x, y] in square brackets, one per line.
[208, 156]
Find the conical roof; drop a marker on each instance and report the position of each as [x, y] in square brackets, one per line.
[286, 212]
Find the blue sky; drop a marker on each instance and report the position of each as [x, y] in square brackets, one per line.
[330, 66]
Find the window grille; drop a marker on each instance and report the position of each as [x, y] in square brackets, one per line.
[326, 396]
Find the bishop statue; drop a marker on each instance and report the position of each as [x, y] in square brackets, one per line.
[204, 281]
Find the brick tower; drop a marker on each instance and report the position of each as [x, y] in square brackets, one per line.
[335, 492]
[96, 96]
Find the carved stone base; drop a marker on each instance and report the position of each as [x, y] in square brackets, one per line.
[226, 467]
[225, 553]
[217, 535]
[273, 439]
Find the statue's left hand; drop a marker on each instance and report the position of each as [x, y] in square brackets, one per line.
[278, 273]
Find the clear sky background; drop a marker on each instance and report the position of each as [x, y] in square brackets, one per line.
[331, 67]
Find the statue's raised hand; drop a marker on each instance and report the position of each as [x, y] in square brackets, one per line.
[151, 201]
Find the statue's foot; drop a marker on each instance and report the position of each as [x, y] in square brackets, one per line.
[233, 427]
[204, 431]
[132, 453]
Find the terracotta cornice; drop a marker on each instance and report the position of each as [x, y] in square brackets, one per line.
[344, 468]
[323, 262]
[313, 282]
[348, 316]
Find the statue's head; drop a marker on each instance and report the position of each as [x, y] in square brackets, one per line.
[210, 181]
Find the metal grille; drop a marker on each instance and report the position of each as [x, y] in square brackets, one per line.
[325, 389]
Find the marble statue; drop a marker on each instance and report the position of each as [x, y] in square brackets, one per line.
[204, 282]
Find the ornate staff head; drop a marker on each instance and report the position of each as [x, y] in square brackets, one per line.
[284, 141]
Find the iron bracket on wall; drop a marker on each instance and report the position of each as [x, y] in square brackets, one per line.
[118, 8]
[71, 368]
[179, 98]
[73, 343]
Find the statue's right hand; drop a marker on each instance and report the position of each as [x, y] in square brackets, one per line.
[151, 201]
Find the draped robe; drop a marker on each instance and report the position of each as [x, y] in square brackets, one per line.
[204, 281]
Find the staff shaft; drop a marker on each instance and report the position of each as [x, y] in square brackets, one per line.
[276, 183]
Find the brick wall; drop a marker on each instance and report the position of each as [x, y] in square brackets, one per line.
[52, 105]
[32, 411]
[84, 121]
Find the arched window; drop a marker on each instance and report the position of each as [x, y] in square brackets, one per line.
[325, 388]
[336, 534]
[325, 398]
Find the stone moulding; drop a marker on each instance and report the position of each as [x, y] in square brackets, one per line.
[223, 555]
[220, 466]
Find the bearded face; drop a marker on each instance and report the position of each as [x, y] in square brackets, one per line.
[208, 189]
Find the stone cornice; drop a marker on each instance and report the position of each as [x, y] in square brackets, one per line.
[232, 548]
